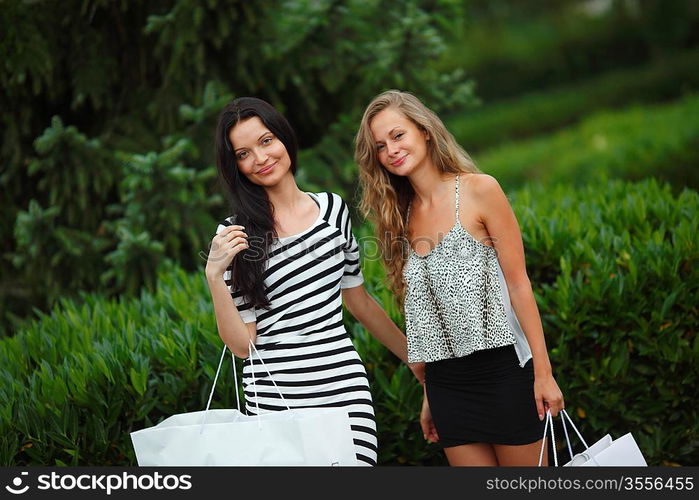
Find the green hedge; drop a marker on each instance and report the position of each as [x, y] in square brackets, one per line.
[511, 54]
[614, 269]
[544, 111]
[620, 314]
[652, 141]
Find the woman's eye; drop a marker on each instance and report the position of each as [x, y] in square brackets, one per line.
[379, 147]
[398, 136]
[242, 155]
[266, 140]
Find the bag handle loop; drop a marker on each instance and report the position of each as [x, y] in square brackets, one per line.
[252, 369]
[549, 423]
[235, 378]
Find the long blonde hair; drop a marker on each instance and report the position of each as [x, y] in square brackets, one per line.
[385, 196]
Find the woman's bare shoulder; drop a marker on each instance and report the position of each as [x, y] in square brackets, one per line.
[476, 184]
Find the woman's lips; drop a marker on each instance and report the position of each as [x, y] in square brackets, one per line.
[399, 161]
[267, 169]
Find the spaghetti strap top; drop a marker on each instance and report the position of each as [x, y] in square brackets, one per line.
[456, 299]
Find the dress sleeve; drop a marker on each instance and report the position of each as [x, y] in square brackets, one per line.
[352, 275]
[245, 308]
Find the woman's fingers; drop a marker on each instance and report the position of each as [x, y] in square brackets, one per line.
[224, 247]
[540, 406]
[556, 406]
[429, 431]
[237, 245]
[231, 232]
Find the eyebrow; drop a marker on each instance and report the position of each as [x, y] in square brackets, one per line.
[391, 131]
[268, 132]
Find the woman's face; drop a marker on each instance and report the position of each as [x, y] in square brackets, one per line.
[401, 146]
[259, 154]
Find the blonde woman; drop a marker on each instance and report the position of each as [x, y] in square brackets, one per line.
[453, 252]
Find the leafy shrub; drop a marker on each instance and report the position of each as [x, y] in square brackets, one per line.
[621, 314]
[651, 141]
[543, 111]
[75, 383]
[512, 52]
[614, 271]
[100, 219]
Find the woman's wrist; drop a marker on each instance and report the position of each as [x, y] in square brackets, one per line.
[213, 277]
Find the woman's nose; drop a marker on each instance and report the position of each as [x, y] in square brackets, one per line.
[393, 149]
[260, 156]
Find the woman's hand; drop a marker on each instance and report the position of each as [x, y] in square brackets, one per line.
[547, 396]
[230, 241]
[418, 370]
[429, 431]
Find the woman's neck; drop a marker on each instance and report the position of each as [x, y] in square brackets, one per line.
[285, 196]
[430, 185]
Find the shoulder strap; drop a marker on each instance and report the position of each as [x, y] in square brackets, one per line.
[457, 197]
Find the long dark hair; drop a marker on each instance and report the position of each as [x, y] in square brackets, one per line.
[248, 201]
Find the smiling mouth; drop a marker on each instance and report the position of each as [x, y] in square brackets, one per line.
[267, 169]
[399, 161]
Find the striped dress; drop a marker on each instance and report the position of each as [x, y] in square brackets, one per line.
[301, 338]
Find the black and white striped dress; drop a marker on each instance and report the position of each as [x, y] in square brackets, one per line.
[301, 338]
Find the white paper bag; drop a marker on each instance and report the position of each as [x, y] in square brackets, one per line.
[308, 436]
[605, 452]
[619, 452]
[583, 457]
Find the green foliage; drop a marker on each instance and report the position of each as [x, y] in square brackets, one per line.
[512, 50]
[620, 314]
[660, 141]
[544, 111]
[59, 241]
[614, 271]
[163, 211]
[75, 383]
[112, 216]
[124, 96]
[126, 67]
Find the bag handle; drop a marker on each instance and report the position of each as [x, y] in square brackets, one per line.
[213, 386]
[235, 377]
[252, 369]
[549, 423]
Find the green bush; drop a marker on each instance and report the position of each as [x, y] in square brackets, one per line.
[620, 315]
[654, 141]
[75, 383]
[104, 219]
[615, 274]
[515, 52]
[544, 111]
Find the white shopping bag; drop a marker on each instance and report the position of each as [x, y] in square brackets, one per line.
[583, 457]
[309, 436]
[606, 452]
[623, 451]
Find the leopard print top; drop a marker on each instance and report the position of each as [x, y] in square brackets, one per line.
[456, 299]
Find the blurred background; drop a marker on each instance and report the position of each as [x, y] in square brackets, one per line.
[586, 112]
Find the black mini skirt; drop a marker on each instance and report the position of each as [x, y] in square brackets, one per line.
[485, 397]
